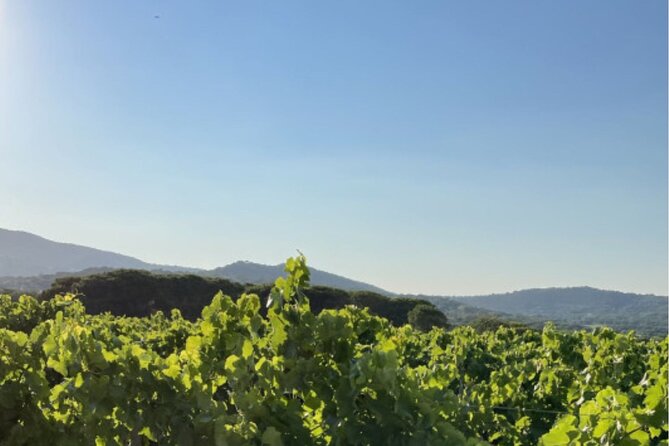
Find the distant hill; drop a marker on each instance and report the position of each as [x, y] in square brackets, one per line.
[25, 254]
[36, 284]
[29, 262]
[460, 313]
[560, 301]
[250, 272]
[581, 306]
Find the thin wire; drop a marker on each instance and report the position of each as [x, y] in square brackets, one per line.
[530, 410]
[555, 412]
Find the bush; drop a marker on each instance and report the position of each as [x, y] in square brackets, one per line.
[424, 317]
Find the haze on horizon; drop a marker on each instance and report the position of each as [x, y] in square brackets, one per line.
[438, 149]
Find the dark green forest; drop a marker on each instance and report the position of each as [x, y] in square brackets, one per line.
[140, 293]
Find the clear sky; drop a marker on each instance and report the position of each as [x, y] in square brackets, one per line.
[439, 147]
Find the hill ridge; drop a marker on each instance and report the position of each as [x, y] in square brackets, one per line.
[24, 255]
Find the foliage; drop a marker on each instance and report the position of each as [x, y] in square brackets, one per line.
[292, 377]
[140, 293]
[425, 317]
[491, 323]
[396, 310]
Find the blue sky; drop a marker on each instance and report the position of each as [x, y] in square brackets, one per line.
[436, 147]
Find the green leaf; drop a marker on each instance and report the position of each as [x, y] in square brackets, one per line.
[146, 431]
[555, 438]
[79, 380]
[193, 344]
[49, 345]
[230, 363]
[247, 349]
[271, 437]
[603, 426]
[207, 328]
[642, 437]
[173, 371]
[58, 366]
[562, 433]
[260, 363]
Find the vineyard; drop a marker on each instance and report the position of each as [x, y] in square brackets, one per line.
[292, 377]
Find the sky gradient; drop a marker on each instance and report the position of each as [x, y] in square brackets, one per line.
[431, 147]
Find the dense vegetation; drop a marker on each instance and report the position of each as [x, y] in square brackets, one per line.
[293, 377]
[141, 293]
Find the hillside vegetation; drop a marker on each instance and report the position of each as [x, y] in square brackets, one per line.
[141, 293]
[581, 307]
[292, 377]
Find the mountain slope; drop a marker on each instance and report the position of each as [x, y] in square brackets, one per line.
[560, 301]
[25, 254]
[250, 272]
[582, 306]
[31, 263]
[460, 313]
[39, 283]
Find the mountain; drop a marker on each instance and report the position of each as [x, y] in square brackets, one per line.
[25, 254]
[560, 301]
[250, 272]
[31, 263]
[581, 306]
[459, 313]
